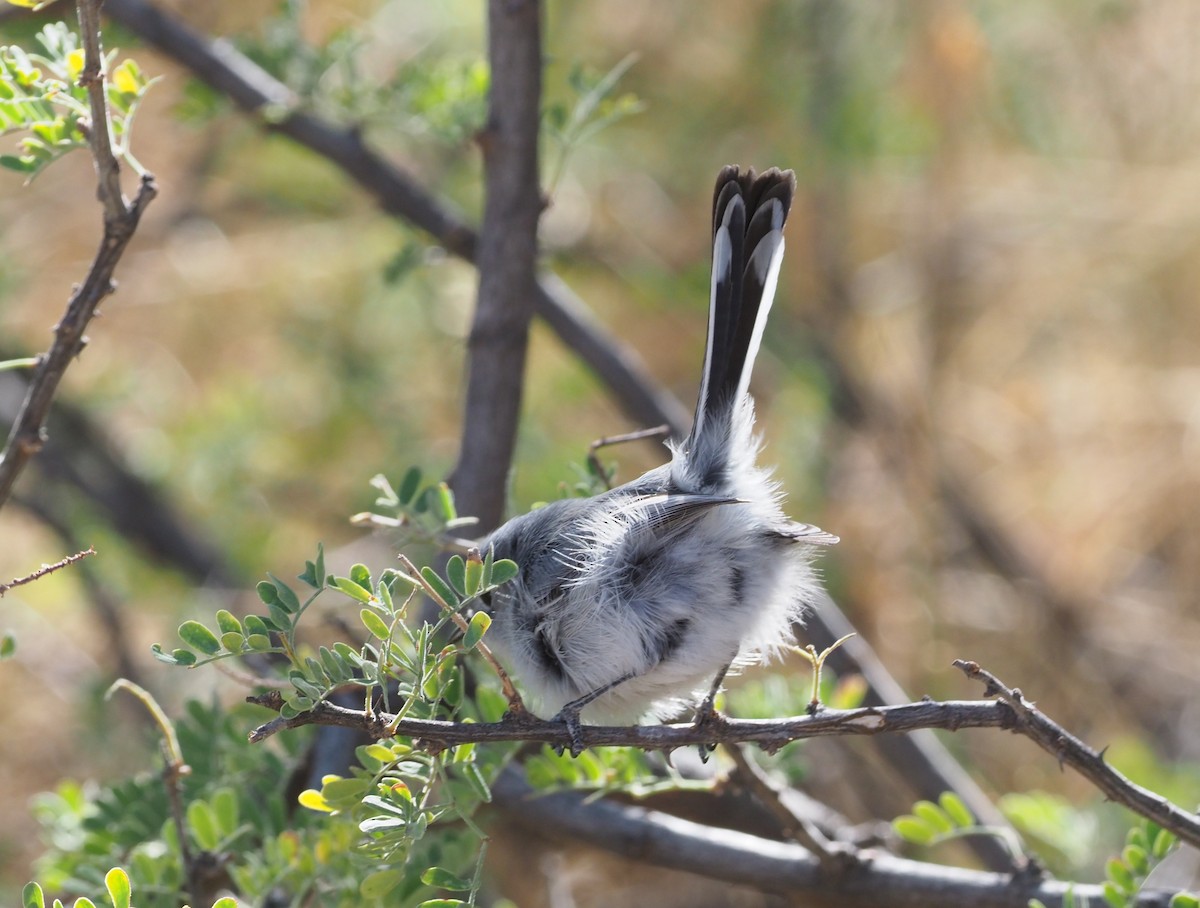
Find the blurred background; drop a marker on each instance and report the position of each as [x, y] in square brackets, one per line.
[983, 369]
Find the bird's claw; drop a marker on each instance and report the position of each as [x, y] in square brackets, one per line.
[707, 718]
[570, 718]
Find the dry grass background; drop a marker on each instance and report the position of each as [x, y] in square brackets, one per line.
[995, 250]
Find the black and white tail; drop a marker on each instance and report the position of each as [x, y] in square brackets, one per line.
[749, 211]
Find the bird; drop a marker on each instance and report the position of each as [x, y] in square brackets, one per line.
[638, 600]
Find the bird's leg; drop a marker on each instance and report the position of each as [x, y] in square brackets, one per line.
[569, 714]
[706, 713]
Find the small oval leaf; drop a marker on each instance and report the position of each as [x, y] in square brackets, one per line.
[503, 571]
[480, 622]
[441, 878]
[380, 883]
[199, 637]
[203, 825]
[32, 896]
[116, 881]
[314, 800]
[373, 623]
[956, 809]
[913, 829]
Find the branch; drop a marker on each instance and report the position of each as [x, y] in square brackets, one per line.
[769, 734]
[736, 857]
[45, 569]
[1089, 763]
[506, 255]
[120, 221]
[1011, 712]
[221, 66]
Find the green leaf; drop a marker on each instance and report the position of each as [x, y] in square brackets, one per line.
[256, 625]
[225, 810]
[353, 590]
[456, 573]
[1116, 871]
[116, 881]
[473, 579]
[227, 623]
[1114, 896]
[334, 667]
[183, 657]
[8, 646]
[440, 587]
[374, 624]
[225, 902]
[232, 642]
[362, 576]
[480, 622]
[914, 829]
[287, 598]
[441, 903]
[260, 643]
[503, 571]
[1164, 839]
[1136, 859]
[343, 792]
[203, 824]
[409, 485]
[267, 592]
[934, 816]
[199, 638]
[956, 809]
[280, 617]
[1184, 900]
[380, 883]
[444, 503]
[416, 829]
[32, 896]
[441, 878]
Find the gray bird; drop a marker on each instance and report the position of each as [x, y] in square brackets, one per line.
[638, 600]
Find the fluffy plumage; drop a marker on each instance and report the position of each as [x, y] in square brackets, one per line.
[634, 601]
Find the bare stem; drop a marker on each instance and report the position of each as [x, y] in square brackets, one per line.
[121, 217]
[46, 569]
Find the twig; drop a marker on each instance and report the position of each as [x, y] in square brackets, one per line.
[120, 221]
[174, 769]
[593, 455]
[1010, 712]
[1089, 763]
[770, 734]
[46, 569]
[663, 840]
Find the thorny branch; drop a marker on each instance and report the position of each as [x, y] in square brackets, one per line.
[45, 569]
[120, 221]
[1011, 711]
[1089, 763]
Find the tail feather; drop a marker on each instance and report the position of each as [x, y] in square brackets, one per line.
[749, 211]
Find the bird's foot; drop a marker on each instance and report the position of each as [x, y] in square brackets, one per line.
[569, 716]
